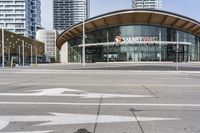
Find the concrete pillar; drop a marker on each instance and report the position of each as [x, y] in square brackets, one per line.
[64, 53]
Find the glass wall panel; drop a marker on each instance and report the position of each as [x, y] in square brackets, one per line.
[133, 51]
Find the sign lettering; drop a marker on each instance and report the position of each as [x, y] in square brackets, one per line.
[140, 39]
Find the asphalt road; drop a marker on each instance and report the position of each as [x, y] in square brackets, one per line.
[99, 101]
[140, 66]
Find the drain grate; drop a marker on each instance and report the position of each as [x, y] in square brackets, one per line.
[82, 130]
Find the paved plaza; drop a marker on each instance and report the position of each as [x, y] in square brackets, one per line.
[74, 99]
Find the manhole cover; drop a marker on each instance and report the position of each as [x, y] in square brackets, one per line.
[82, 130]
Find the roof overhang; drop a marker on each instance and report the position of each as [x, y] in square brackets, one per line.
[132, 16]
[137, 42]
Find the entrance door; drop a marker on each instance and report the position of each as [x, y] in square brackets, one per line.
[180, 53]
[130, 56]
[90, 57]
[134, 56]
[172, 53]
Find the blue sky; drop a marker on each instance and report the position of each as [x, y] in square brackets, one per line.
[190, 8]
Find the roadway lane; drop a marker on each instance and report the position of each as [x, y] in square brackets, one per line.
[58, 101]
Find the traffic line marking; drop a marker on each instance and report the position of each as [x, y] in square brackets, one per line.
[102, 104]
[59, 92]
[31, 132]
[67, 118]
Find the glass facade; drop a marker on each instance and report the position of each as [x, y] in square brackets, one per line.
[49, 39]
[20, 16]
[134, 52]
[69, 12]
[150, 4]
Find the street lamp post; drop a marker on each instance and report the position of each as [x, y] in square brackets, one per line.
[107, 48]
[23, 52]
[177, 47]
[31, 54]
[160, 47]
[83, 34]
[2, 48]
[19, 60]
[9, 53]
[36, 55]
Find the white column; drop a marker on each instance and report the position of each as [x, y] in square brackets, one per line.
[23, 52]
[198, 50]
[83, 34]
[31, 54]
[2, 48]
[160, 47]
[177, 47]
[107, 36]
[19, 58]
[189, 48]
[35, 55]
[9, 53]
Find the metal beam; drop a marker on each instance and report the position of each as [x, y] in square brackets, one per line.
[191, 27]
[93, 24]
[119, 19]
[104, 20]
[163, 21]
[62, 40]
[185, 24]
[175, 22]
[77, 30]
[133, 17]
[86, 29]
[65, 36]
[149, 19]
[72, 33]
[196, 30]
[69, 33]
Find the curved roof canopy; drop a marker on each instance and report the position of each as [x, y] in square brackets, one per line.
[132, 16]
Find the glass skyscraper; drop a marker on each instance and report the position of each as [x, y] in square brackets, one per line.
[69, 12]
[148, 4]
[20, 16]
[49, 39]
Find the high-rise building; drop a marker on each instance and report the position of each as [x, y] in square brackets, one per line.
[149, 4]
[20, 16]
[49, 39]
[69, 12]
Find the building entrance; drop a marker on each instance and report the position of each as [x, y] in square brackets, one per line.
[137, 53]
[134, 56]
[182, 53]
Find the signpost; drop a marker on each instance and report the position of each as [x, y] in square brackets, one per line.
[83, 34]
[19, 60]
[31, 54]
[160, 57]
[23, 52]
[2, 48]
[177, 48]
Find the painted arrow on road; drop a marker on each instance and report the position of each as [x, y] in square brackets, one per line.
[31, 132]
[66, 119]
[74, 93]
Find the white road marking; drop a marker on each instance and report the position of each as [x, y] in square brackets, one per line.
[58, 92]
[55, 91]
[3, 123]
[179, 78]
[30, 132]
[67, 118]
[102, 104]
[105, 72]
